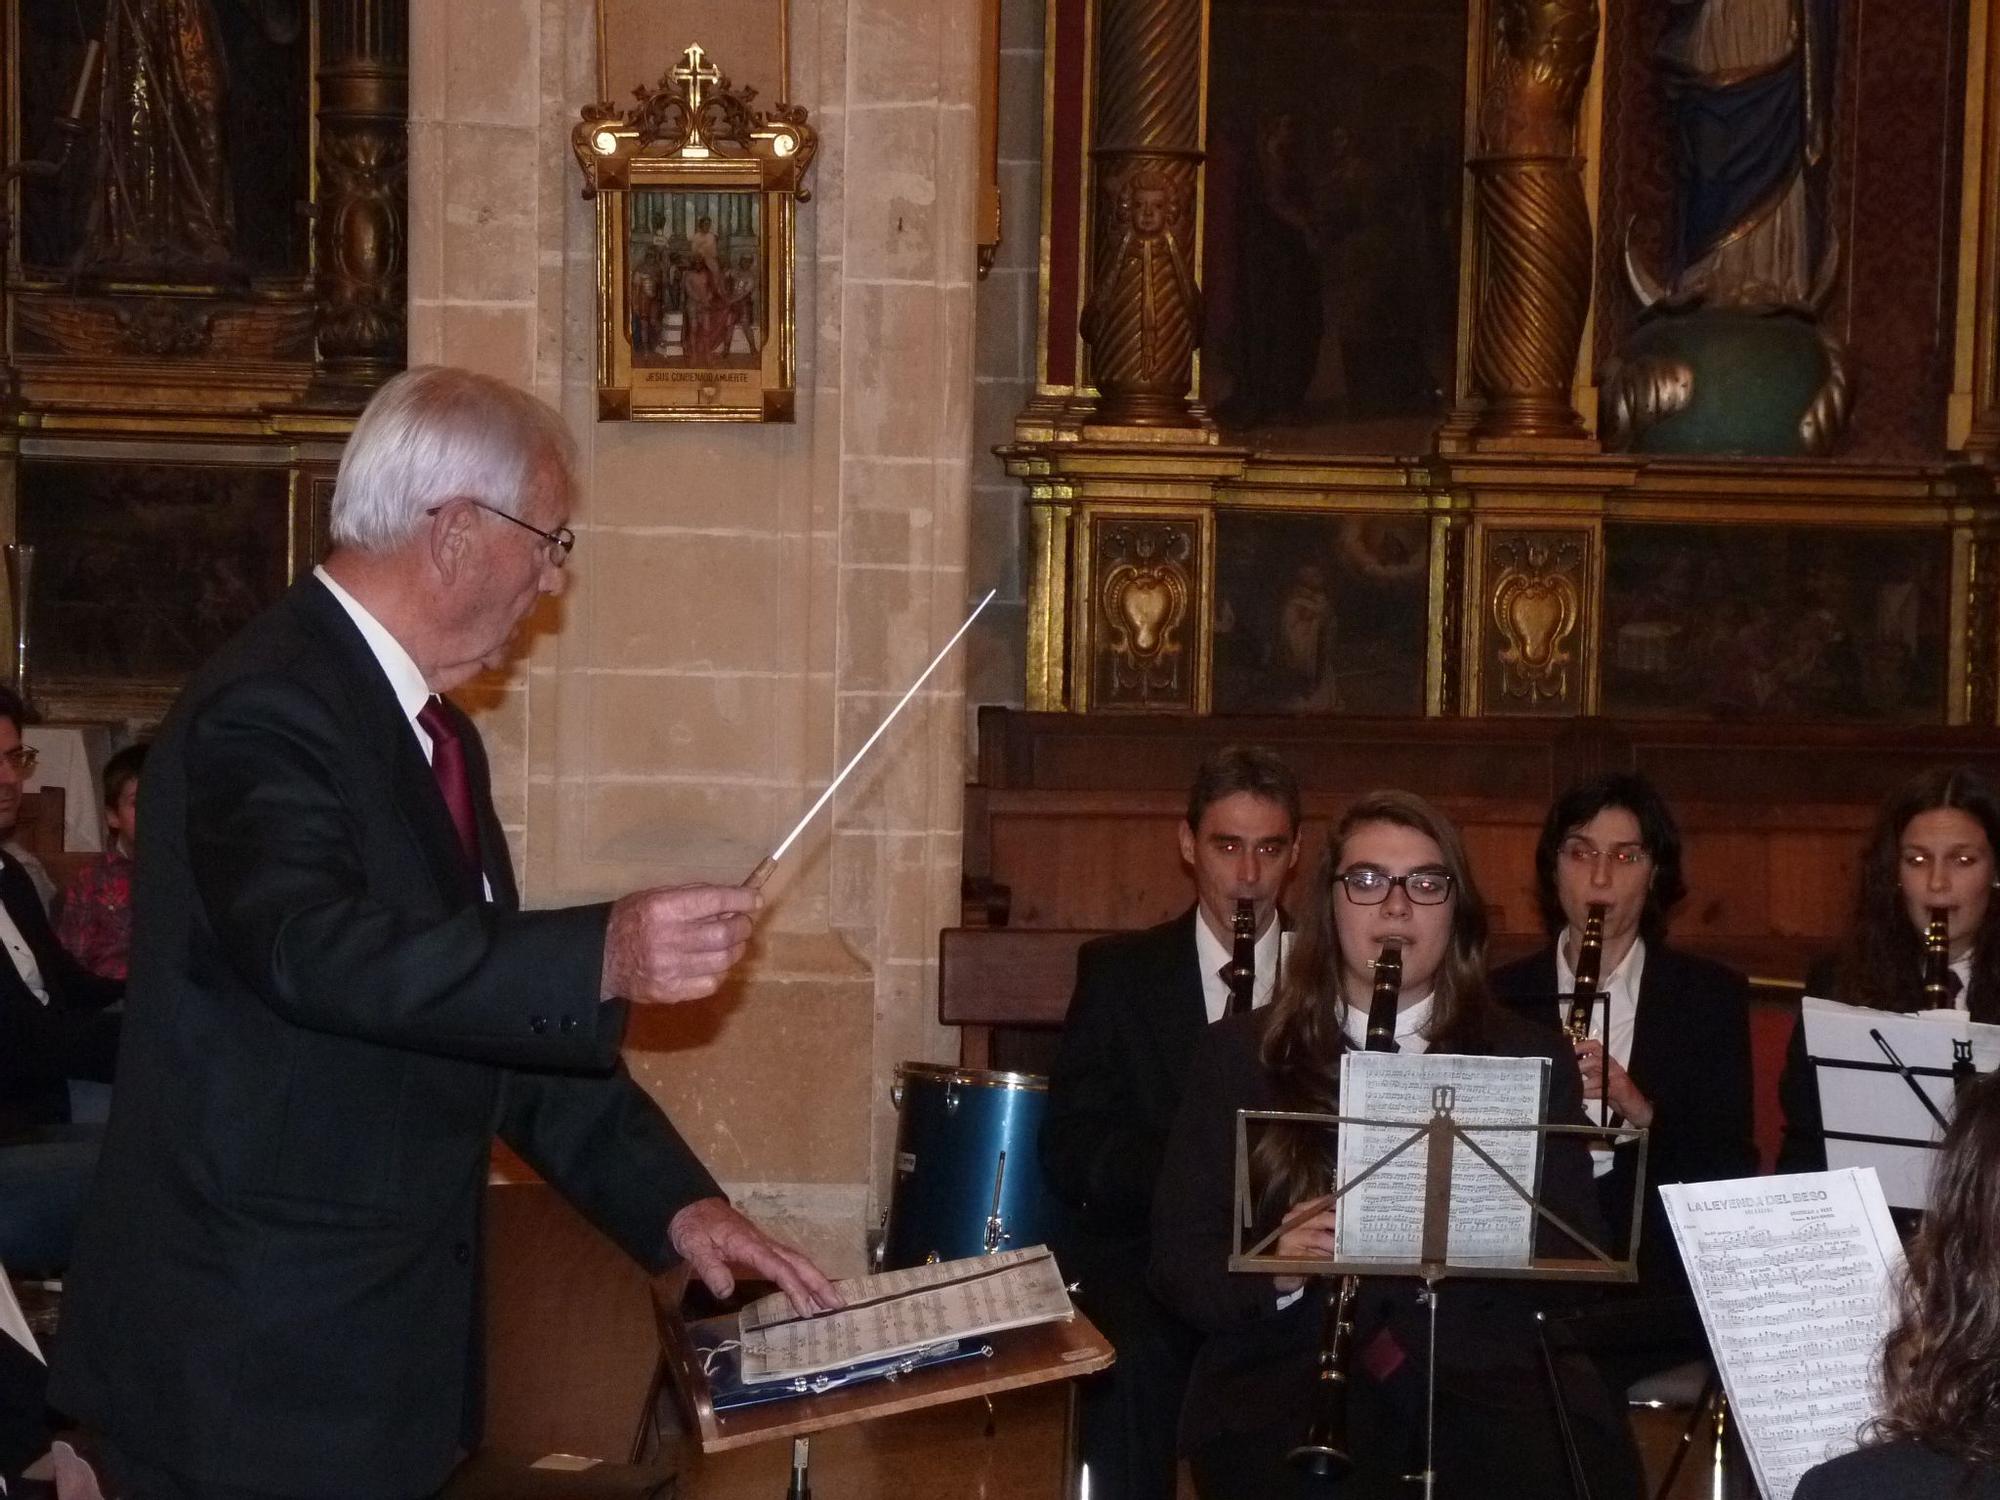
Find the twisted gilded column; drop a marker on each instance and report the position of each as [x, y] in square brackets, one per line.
[1533, 224]
[1142, 317]
[363, 210]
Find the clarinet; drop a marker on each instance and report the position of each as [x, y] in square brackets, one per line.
[1242, 973]
[1937, 959]
[1324, 1453]
[1589, 959]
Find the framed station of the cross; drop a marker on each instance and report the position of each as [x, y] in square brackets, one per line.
[696, 195]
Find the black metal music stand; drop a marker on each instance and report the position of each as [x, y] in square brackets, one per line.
[1440, 1137]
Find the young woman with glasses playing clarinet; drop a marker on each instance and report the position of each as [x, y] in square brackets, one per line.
[1675, 1055]
[1393, 891]
[1923, 934]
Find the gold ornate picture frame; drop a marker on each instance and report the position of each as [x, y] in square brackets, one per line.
[697, 196]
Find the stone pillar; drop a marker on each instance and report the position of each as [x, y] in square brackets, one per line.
[1142, 315]
[363, 164]
[1532, 222]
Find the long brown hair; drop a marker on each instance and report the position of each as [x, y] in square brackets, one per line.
[1941, 1362]
[1303, 1039]
[1881, 963]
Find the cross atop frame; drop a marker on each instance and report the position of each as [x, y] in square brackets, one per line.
[698, 73]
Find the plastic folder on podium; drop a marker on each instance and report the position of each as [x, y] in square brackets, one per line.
[905, 1339]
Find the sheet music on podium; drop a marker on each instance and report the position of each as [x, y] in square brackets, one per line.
[1871, 1115]
[1383, 1218]
[895, 1313]
[1794, 1278]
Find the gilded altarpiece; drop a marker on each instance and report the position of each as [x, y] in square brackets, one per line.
[203, 279]
[1475, 279]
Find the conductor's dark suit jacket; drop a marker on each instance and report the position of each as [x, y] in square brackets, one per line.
[1691, 1058]
[276, 1284]
[44, 1045]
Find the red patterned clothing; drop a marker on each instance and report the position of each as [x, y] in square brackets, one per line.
[96, 923]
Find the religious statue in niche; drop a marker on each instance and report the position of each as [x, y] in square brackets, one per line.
[179, 230]
[162, 204]
[1729, 356]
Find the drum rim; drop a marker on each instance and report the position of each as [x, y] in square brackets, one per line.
[975, 1077]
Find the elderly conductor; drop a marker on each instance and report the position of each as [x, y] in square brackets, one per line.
[336, 1002]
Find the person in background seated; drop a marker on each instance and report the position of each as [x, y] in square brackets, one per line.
[1679, 1054]
[1933, 847]
[1142, 1002]
[1394, 874]
[1938, 1434]
[96, 921]
[54, 1027]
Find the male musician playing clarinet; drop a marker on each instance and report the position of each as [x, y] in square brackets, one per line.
[1141, 1004]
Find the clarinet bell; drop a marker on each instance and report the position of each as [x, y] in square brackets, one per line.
[1320, 1455]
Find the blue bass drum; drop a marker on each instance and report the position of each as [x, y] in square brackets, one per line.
[968, 1176]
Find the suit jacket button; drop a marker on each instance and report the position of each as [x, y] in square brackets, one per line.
[538, 1024]
[462, 1253]
[569, 1023]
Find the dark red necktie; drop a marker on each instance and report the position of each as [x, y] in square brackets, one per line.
[448, 765]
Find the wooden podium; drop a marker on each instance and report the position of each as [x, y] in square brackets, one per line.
[1021, 1357]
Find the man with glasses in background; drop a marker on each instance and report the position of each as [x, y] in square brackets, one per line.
[337, 1002]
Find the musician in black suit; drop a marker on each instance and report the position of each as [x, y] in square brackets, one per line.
[1932, 848]
[336, 1002]
[55, 1025]
[1394, 873]
[1141, 1003]
[1678, 1062]
[1938, 1430]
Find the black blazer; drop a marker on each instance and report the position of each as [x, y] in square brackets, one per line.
[1134, 1021]
[1255, 1368]
[44, 1046]
[1896, 1471]
[1691, 1058]
[276, 1282]
[1802, 1148]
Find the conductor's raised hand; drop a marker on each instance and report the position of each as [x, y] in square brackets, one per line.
[717, 1242]
[676, 942]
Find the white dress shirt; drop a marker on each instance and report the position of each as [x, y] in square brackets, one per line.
[1622, 985]
[1211, 954]
[22, 956]
[406, 678]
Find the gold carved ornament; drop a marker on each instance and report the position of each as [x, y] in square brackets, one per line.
[1145, 595]
[1536, 606]
[693, 114]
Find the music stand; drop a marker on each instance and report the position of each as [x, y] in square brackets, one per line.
[1440, 1137]
[1016, 1358]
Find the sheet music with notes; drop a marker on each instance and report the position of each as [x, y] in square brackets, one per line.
[901, 1312]
[1862, 1095]
[1794, 1278]
[1383, 1218]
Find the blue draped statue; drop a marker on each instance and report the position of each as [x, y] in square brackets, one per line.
[1749, 88]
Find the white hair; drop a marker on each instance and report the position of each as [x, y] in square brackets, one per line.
[433, 435]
